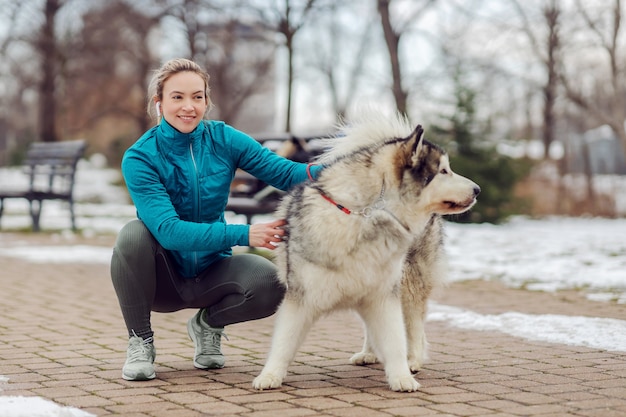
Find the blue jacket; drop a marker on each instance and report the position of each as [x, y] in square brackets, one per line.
[180, 183]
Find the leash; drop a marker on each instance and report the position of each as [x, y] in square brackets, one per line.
[327, 198]
[379, 203]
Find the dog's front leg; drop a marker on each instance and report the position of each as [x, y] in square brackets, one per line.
[383, 319]
[414, 317]
[290, 328]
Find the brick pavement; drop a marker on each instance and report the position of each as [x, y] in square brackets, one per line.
[62, 338]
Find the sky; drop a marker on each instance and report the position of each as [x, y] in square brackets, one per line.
[586, 254]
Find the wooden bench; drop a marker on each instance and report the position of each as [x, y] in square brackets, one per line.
[51, 167]
[250, 207]
[264, 201]
[249, 196]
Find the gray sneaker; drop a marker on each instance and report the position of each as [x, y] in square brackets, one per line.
[207, 341]
[139, 365]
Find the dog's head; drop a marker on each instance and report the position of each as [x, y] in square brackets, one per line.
[424, 169]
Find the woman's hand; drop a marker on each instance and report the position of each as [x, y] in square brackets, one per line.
[266, 235]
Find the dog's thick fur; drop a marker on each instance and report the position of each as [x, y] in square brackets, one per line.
[380, 256]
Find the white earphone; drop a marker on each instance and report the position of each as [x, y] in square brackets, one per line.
[158, 108]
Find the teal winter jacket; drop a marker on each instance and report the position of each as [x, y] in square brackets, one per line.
[179, 184]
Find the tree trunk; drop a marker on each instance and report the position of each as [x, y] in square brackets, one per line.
[49, 54]
[551, 14]
[289, 81]
[591, 195]
[392, 40]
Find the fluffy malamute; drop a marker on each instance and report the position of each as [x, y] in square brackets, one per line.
[366, 235]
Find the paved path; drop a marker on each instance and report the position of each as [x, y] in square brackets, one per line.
[62, 338]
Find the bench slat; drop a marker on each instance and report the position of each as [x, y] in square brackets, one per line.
[51, 167]
[248, 195]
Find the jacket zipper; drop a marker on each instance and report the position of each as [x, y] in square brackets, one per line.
[196, 200]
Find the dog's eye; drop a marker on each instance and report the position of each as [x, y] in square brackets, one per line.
[443, 171]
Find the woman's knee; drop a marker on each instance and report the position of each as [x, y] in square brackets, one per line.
[268, 290]
[271, 296]
[134, 239]
[134, 252]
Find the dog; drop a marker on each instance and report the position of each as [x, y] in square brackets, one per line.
[367, 235]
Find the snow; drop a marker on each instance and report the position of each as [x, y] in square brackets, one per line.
[12, 406]
[548, 255]
[551, 254]
[37, 407]
[59, 254]
[593, 332]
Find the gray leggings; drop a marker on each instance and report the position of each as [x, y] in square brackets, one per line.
[232, 290]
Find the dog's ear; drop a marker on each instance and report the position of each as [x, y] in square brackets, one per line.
[416, 143]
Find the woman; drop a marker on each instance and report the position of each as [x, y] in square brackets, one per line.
[177, 254]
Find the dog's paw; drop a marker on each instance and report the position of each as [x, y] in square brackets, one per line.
[416, 363]
[405, 383]
[267, 380]
[363, 358]
[417, 358]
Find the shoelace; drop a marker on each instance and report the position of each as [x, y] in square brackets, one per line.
[212, 341]
[140, 352]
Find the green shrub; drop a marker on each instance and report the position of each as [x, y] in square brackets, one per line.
[497, 176]
[462, 134]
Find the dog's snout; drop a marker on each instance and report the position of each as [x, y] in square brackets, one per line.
[476, 190]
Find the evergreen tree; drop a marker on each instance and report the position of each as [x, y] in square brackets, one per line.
[473, 157]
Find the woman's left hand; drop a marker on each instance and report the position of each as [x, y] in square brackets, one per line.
[266, 235]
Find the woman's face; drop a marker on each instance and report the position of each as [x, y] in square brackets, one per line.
[184, 102]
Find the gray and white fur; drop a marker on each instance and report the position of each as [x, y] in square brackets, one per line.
[366, 235]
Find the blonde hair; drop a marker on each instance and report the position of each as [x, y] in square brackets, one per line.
[171, 67]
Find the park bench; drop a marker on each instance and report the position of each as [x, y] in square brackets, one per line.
[50, 167]
[251, 197]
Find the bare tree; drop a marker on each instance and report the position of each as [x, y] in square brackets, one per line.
[288, 28]
[47, 48]
[551, 13]
[393, 37]
[80, 77]
[19, 81]
[187, 13]
[40, 45]
[287, 20]
[242, 69]
[341, 65]
[237, 50]
[547, 51]
[106, 66]
[606, 102]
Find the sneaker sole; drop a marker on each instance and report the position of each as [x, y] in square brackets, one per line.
[143, 378]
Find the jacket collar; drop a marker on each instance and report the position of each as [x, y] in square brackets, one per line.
[173, 140]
